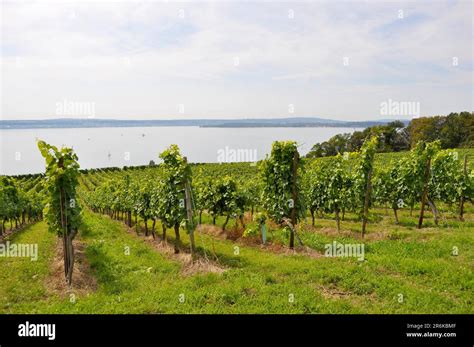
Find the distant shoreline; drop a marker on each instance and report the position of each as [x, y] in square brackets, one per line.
[297, 122]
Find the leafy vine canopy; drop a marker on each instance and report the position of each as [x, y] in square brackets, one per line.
[62, 172]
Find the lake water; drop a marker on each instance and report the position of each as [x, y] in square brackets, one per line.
[105, 147]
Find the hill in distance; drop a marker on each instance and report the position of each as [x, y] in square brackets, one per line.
[208, 123]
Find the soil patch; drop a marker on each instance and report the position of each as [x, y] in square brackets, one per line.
[83, 281]
[199, 266]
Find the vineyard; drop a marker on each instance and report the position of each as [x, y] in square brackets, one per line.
[245, 237]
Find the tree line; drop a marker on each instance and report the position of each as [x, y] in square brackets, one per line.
[456, 130]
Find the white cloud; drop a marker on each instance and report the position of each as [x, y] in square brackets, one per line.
[141, 59]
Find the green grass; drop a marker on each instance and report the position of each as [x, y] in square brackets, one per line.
[416, 264]
[22, 280]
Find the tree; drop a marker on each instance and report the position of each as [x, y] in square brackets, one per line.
[467, 129]
[424, 129]
[336, 144]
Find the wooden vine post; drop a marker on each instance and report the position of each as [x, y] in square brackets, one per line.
[290, 225]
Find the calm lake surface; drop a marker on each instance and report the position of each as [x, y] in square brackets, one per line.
[105, 147]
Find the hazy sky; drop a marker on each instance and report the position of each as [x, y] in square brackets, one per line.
[226, 59]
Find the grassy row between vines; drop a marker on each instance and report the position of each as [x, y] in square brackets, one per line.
[417, 264]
